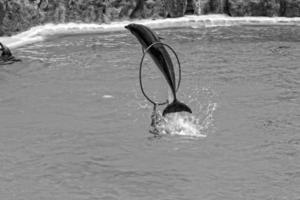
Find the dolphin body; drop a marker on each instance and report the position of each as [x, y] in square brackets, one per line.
[162, 59]
[6, 56]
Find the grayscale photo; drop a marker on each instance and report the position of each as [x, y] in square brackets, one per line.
[149, 99]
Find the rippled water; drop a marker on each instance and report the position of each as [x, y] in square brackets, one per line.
[74, 124]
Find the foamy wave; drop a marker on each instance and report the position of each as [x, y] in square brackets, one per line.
[40, 33]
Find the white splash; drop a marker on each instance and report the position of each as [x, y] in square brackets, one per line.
[178, 124]
[48, 31]
[183, 124]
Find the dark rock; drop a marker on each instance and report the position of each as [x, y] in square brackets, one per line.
[189, 7]
[216, 6]
[159, 9]
[264, 8]
[290, 8]
[226, 7]
[154, 9]
[127, 7]
[2, 15]
[175, 8]
[19, 15]
[2, 12]
[205, 6]
[253, 8]
[138, 11]
[236, 7]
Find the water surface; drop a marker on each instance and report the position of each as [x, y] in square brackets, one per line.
[74, 124]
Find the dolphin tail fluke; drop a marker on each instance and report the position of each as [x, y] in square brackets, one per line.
[176, 106]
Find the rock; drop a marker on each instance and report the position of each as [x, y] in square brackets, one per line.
[90, 14]
[138, 11]
[175, 8]
[253, 7]
[290, 8]
[2, 12]
[207, 6]
[2, 15]
[19, 15]
[196, 5]
[127, 7]
[154, 9]
[60, 13]
[264, 8]
[236, 7]
[43, 4]
[158, 9]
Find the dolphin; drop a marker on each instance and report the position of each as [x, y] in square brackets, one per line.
[163, 61]
[5, 51]
[6, 56]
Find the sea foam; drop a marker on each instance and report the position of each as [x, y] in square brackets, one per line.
[49, 31]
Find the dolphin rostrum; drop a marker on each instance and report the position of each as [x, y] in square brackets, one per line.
[163, 61]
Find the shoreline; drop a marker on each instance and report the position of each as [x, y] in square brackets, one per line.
[44, 32]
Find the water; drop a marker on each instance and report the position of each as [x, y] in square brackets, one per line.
[74, 124]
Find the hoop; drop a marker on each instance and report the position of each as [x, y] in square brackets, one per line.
[141, 66]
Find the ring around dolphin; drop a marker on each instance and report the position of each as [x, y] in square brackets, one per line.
[163, 61]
